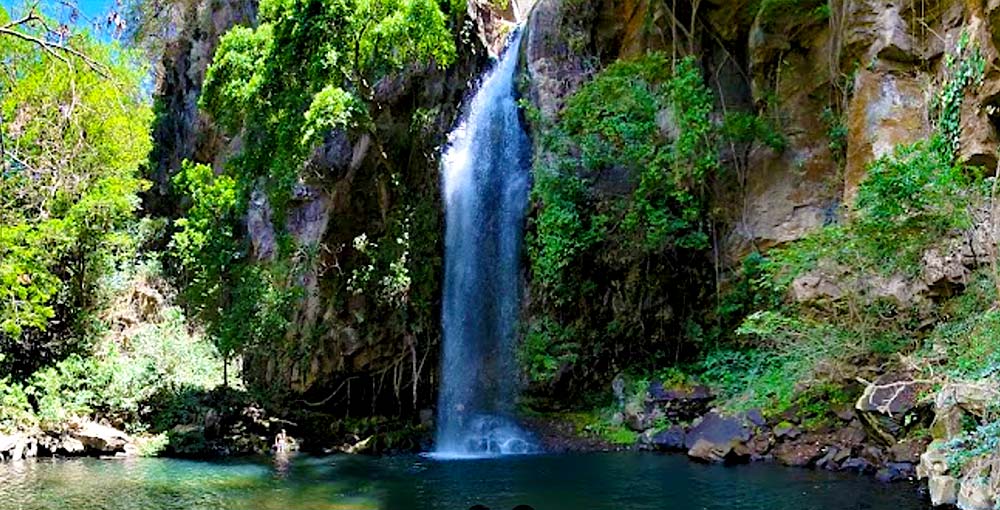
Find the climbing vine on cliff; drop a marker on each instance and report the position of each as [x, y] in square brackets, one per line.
[313, 74]
[855, 284]
[621, 180]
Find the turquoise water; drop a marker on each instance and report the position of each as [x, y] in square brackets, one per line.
[546, 482]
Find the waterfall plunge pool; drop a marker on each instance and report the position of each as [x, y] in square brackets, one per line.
[596, 481]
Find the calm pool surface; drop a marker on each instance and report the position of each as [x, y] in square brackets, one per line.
[546, 482]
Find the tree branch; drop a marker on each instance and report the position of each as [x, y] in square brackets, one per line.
[51, 48]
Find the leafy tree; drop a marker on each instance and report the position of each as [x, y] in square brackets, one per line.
[310, 67]
[73, 136]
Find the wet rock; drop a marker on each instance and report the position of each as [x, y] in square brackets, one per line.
[758, 446]
[717, 429]
[99, 438]
[671, 439]
[842, 455]
[873, 454]
[709, 451]
[756, 417]
[828, 460]
[852, 435]
[69, 445]
[895, 471]
[856, 464]
[14, 447]
[716, 438]
[798, 454]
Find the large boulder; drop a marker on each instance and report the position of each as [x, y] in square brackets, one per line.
[974, 493]
[99, 438]
[717, 437]
[943, 490]
[890, 406]
[15, 447]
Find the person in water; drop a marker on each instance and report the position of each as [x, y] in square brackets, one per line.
[281, 441]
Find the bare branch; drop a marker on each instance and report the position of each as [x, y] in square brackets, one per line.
[56, 50]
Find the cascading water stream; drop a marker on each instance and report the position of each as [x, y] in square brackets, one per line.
[486, 179]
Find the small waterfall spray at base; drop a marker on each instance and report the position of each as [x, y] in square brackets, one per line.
[486, 180]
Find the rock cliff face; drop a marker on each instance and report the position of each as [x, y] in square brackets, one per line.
[343, 352]
[868, 67]
[846, 82]
[191, 31]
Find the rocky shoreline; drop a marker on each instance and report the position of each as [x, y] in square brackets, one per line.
[896, 431]
[76, 438]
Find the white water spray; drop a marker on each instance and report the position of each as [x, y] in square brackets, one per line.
[486, 193]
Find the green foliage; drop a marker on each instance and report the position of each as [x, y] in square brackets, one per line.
[965, 67]
[836, 131]
[911, 196]
[743, 127]
[982, 441]
[768, 11]
[621, 179]
[547, 347]
[16, 412]
[309, 68]
[332, 108]
[910, 201]
[118, 381]
[59, 235]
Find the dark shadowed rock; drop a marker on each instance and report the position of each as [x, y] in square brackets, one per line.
[895, 471]
[856, 464]
[756, 417]
[791, 414]
[827, 461]
[659, 393]
[844, 411]
[907, 451]
[681, 403]
[671, 439]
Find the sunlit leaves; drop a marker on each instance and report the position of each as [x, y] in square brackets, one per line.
[74, 140]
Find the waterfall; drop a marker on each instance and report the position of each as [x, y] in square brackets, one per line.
[486, 179]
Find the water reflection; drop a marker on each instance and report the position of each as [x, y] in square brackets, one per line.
[543, 482]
